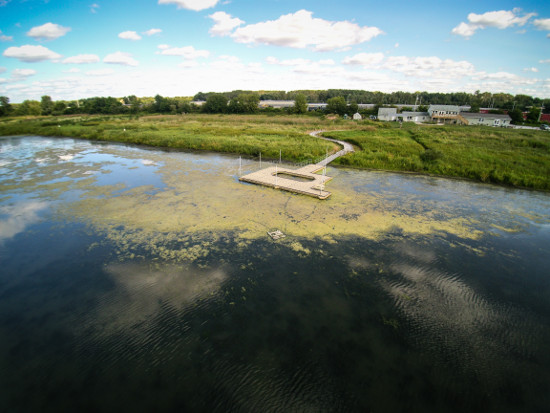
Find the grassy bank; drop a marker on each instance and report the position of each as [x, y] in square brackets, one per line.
[245, 135]
[505, 156]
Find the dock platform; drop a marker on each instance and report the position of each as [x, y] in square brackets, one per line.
[306, 181]
[310, 183]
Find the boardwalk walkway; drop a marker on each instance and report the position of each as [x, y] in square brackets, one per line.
[308, 183]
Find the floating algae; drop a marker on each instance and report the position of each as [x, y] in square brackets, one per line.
[197, 196]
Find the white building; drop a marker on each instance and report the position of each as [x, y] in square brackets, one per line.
[387, 114]
[415, 116]
[487, 119]
[445, 113]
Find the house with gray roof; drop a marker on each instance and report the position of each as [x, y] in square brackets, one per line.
[445, 114]
[414, 116]
[387, 114]
[487, 119]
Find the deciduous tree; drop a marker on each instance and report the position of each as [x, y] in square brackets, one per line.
[300, 103]
[337, 105]
[46, 105]
[215, 103]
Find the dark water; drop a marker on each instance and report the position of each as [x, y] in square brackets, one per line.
[108, 307]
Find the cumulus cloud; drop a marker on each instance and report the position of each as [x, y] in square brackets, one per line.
[152, 32]
[298, 62]
[4, 38]
[224, 23]
[429, 66]
[72, 70]
[48, 31]
[195, 5]
[300, 30]
[94, 8]
[2, 69]
[501, 19]
[542, 24]
[19, 74]
[120, 58]
[31, 54]
[81, 59]
[364, 59]
[544, 61]
[531, 69]
[100, 72]
[129, 35]
[187, 52]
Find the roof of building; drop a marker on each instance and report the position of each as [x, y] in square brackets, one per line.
[415, 113]
[485, 115]
[278, 103]
[387, 111]
[449, 108]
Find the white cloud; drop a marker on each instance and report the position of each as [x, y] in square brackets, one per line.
[94, 8]
[195, 5]
[501, 19]
[100, 72]
[48, 31]
[3, 80]
[72, 70]
[163, 46]
[129, 35]
[120, 58]
[531, 69]
[288, 62]
[188, 64]
[464, 30]
[82, 59]
[429, 67]
[19, 74]
[2, 69]
[298, 62]
[187, 52]
[31, 54]
[364, 59]
[542, 24]
[544, 61]
[4, 38]
[300, 30]
[224, 23]
[152, 32]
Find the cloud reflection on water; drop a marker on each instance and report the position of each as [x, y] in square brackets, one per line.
[14, 219]
[144, 290]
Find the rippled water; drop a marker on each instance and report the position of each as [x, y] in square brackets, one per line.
[137, 279]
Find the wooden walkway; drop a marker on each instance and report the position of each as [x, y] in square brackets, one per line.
[308, 182]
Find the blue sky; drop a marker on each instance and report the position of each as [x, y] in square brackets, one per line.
[76, 49]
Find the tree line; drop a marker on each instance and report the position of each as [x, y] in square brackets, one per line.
[340, 101]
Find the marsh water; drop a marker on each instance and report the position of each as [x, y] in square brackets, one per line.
[134, 279]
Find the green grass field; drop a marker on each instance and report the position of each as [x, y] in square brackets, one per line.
[518, 158]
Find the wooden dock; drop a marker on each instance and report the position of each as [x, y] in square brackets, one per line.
[306, 181]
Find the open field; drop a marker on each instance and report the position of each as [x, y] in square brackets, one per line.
[518, 158]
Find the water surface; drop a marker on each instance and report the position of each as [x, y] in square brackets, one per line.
[138, 279]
